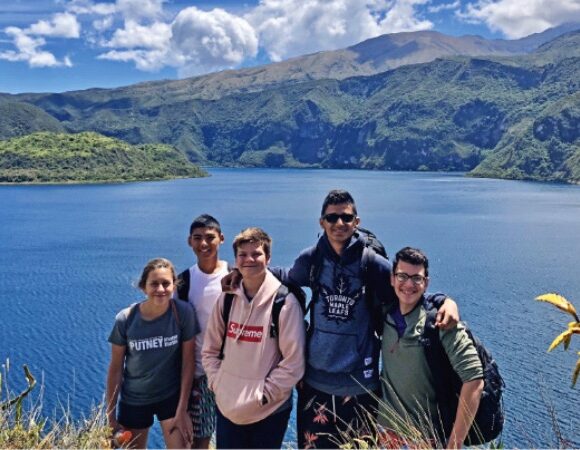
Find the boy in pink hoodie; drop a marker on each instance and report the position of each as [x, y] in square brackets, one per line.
[254, 380]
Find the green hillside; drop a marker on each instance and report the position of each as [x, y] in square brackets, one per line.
[508, 116]
[20, 118]
[46, 157]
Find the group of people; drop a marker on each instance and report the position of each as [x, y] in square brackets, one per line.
[221, 349]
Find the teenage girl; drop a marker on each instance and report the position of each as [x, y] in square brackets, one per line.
[152, 361]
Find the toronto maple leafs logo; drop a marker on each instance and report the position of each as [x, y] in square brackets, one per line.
[339, 302]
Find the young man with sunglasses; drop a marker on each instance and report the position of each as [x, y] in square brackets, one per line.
[342, 352]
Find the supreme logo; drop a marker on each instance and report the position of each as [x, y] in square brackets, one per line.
[249, 334]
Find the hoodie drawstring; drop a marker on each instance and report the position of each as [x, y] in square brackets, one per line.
[245, 321]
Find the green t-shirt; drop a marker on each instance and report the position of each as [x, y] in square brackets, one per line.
[407, 381]
[152, 370]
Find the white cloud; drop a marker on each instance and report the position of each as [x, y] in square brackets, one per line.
[203, 41]
[146, 60]
[29, 50]
[519, 18]
[136, 10]
[154, 36]
[103, 24]
[444, 7]
[199, 41]
[61, 25]
[293, 27]
[195, 42]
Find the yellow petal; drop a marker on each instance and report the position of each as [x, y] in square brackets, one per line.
[561, 338]
[567, 340]
[559, 302]
[576, 372]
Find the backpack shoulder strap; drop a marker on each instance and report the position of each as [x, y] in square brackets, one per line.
[279, 302]
[447, 383]
[314, 277]
[131, 315]
[369, 291]
[184, 279]
[175, 313]
[228, 300]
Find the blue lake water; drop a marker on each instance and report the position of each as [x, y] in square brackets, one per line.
[70, 254]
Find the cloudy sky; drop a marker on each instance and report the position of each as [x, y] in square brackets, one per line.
[61, 45]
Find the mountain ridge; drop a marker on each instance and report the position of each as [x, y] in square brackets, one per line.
[448, 114]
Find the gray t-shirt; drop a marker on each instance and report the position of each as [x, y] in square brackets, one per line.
[152, 370]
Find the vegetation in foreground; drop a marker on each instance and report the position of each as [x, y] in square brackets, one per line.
[88, 157]
[23, 426]
[573, 327]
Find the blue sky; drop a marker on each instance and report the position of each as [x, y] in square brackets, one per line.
[63, 45]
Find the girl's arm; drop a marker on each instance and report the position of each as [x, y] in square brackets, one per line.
[469, 399]
[182, 422]
[114, 382]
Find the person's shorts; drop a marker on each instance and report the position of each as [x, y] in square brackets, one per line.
[201, 409]
[142, 416]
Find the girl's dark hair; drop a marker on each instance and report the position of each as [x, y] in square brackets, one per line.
[156, 263]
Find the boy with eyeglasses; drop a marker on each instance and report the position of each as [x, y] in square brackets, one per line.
[337, 396]
[408, 387]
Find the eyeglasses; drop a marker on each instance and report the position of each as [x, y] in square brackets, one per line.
[333, 217]
[417, 279]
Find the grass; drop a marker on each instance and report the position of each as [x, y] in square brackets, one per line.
[22, 424]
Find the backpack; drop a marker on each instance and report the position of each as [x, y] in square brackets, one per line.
[372, 247]
[489, 420]
[183, 284]
[279, 302]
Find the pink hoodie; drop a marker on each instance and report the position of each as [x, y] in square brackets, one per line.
[254, 365]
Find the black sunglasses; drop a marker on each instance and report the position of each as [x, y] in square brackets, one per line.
[333, 217]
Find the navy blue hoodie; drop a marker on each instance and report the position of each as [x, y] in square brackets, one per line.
[343, 350]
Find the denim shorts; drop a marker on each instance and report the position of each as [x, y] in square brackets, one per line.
[142, 416]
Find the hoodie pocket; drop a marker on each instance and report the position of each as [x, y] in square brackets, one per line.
[239, 398]
[334, 353]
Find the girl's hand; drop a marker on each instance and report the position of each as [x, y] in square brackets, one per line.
[182, 425]
[113, 424]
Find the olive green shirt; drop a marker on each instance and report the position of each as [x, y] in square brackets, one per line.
[408, 390]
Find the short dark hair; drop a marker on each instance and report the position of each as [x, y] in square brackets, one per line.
[412, 256]
[253, 234]
[205, 221]
[338, 197]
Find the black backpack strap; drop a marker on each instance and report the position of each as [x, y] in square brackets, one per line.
[314, 281]
[279, 302]
[228, 300]
[446, 382]
[184, 281]
[373, 303]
